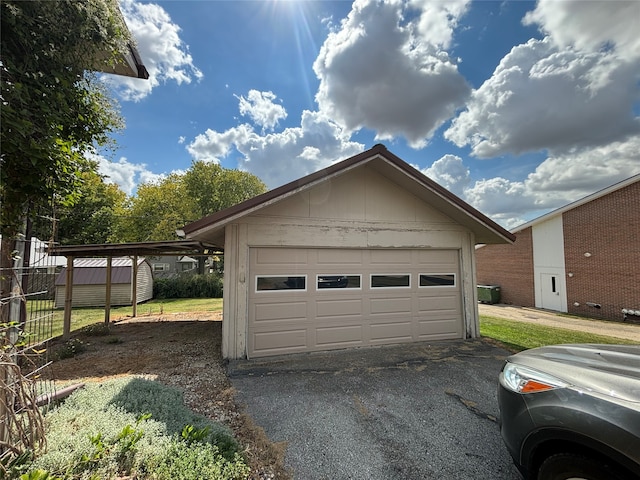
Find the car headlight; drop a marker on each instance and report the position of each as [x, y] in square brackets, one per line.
[527, 380]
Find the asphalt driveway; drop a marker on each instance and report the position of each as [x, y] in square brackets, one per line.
[419, 411]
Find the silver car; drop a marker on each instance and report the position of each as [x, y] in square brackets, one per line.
[573, 412]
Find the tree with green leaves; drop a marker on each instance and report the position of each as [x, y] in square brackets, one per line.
[156, 211]
[53, 112]
[94, 216]
[160, 208]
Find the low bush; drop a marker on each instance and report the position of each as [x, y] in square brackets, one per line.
[96, 329]
[69, 349]
[135, 427]
[188, 286]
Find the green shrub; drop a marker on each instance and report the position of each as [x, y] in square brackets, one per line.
[69, 349]
[138, 427]
[200, 460]
[96, 329]
[189, 286]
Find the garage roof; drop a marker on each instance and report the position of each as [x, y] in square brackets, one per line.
[386, 163]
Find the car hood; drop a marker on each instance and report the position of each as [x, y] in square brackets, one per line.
[612, 370]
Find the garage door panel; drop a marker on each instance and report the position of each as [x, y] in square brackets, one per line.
[331, 257]
[338, 308]
[442, 302]
[437, 257]
[391, 305]
[339, 336]
[277, 342]
[279, 256]
[384, 257]
[391, 332]
[431, 326]
[265, 312]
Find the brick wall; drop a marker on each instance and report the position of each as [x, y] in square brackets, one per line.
[511, 268]
[607, 228]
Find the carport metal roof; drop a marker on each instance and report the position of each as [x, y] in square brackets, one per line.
[152, 249]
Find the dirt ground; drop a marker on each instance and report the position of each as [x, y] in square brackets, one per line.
[182, 351]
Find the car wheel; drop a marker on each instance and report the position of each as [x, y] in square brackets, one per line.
[570, 466]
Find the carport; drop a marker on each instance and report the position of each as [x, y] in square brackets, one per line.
[111, 250]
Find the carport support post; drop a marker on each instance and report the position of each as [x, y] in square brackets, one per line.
[107, 299]
[68, 300]
[134, 285]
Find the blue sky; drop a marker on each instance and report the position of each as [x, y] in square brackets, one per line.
[517, 107]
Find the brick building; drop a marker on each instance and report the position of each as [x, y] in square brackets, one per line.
[582, 259]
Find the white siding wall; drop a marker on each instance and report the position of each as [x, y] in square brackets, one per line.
[95, 295]
[145, 283]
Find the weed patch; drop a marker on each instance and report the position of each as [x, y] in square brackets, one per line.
[96, 330]
[70, 349]
[135, 427]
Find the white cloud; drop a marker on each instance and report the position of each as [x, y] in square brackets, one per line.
[163, 52]
[260, 108]
[450, 172]
[576, 174]
[556, 182]
[542, 98]
[212, 146]
[590, 25]
[385, 69]
[182, 139]
[438, 20]
[125, 174]
[278, 158]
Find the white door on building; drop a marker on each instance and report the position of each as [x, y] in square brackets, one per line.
[551, 292]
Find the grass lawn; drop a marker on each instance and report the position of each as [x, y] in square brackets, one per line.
[81, 317]
[520, 336]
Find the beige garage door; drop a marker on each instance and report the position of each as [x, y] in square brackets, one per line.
[305, 300]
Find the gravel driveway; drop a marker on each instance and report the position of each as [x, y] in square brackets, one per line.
[416, 411]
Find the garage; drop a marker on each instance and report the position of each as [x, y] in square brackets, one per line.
[366, 252]
[321, 299]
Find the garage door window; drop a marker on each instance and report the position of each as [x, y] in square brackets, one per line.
[339, 282]
[390, 281]
[437, 279]
[281, 282]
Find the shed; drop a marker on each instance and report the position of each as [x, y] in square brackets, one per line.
[368, 251]
[90, 282]
[583, 258]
